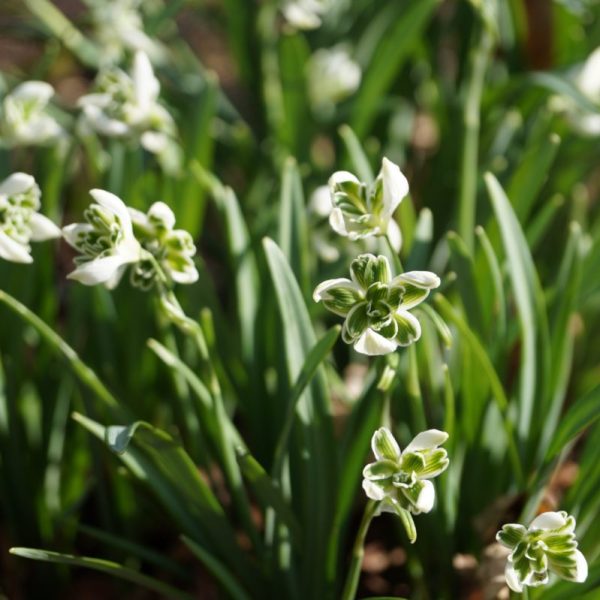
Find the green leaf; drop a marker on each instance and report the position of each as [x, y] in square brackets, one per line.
[105, 566]
[358, 158]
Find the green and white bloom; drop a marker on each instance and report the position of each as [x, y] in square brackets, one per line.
[361, 210]
[127, 106]
[304, 14]
[106, 241]
[332, 77]
[400, 481]
[20, 221]
[172, 249]
[547, 545]
[25, 118]
[375, 305]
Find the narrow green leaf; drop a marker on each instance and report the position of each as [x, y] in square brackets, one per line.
[358, 158]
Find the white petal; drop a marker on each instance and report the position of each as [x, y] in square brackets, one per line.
[588, 80]
[146, 85]
[581, 568]
[97, 271]
[336, 220]
[114, 204]
[320, 292]
[512, 578]
[426, 498]
[341, 177]
[138, 217]
[394, 235]
[17, 183]
[42, 228]
[13, 251]
[71, 232]
[154, 141]
[163, 212]
[426, 440]
[190, 275]
[390, 441]
[422, 279]
[372, 490]
[320, 201]
[395, 187]
[413, 326]
[549, 520]
[301, 18]
[34, 90]
[373, 344]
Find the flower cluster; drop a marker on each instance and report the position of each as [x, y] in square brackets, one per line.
[115, 237]
[127, 106]
[25, 117]
[361, 210]
[20, 221]
[375, 305]
[547, 545]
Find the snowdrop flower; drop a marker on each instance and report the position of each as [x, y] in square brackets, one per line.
[400, 480]
[119, 28]
[304, 14]
[20, 221]
[106, 241]
[25, 119]
[170, 248]
[375, 306]
[360, 210]
[548, 544]
[127, 106]
[332, 77]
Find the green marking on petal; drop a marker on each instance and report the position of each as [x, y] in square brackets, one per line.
[384, 445]
[367, 269]
[409, 330]
[357, 320]
[382, 469]
[511, 535]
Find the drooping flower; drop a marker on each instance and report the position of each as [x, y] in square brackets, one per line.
[332, 77]
[172, 249]
[547, 545]
[304, 14]
[25, 118]
[400, 481]
[127, 106]
[375, 305]
[106, 241]
[20, 221]
[361, 210]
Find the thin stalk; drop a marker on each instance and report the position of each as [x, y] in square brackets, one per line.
[414, 391]
[398, 268]
[358, 552]
[478, 60]
[83, 372]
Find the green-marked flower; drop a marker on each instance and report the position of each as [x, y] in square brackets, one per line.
[400, 480]
[172, 249]
[20, 221]
[361, 210]
[548, 544]
[106, 241]
[25, 118]
[376, 306]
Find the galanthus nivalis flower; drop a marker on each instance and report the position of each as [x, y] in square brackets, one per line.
[20, 221]
[547, 545]
[304, 14]
[172, 249]
[106, 241]
[127, 106]
[375, 305]
[332, 77]
[400, 480]
[361, 210]
[25, 119]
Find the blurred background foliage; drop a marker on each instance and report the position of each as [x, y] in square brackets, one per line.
[449, 90]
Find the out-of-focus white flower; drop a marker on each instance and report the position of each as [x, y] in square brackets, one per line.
[25, 119]
[118, 28]
[172, 249]
[375, 305]
[304, 14]
[332, 77]
[361, 210]
[106, 241]
[548, 544]
[20, 221]
[127, 106]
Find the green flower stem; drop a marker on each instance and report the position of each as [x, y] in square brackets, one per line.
[398, 269]
[83, 372]
[478, 61]
[413, 386]
[358, 552]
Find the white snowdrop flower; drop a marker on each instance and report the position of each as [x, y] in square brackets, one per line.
[105, 241]
[304, 14]
[332, 77]
[25, 118]
[362, 210]
[547, 545]
[20, 221]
